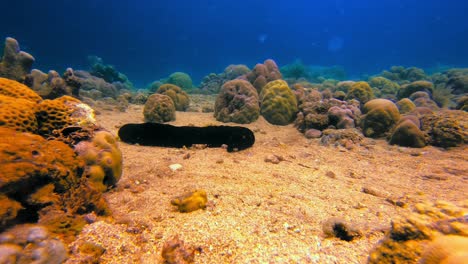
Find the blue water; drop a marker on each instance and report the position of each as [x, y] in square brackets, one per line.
[149, 39]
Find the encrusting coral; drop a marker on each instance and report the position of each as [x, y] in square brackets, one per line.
[278, 103]
[237, 102]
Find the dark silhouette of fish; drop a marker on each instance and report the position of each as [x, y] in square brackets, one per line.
[163, 135]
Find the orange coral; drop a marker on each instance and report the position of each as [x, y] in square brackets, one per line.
[18, 114]
[62, 112]
[17, 90]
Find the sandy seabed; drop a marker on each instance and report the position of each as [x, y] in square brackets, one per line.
[261, 212]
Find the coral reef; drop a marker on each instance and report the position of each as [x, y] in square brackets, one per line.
[462, 103]
[15, 89]
[360, 91]
[15, 64]
[108, 72]
[415, 237]
[417, 86]
[379, 117]
[423, 99]
[405, 105]
[190, 202]
[90, 85]
[179, 97]
[446, 128]
[52, 85]
[18, 114]
[30, 244]
[29, 162]
[212, 83]
[262, 74]
[59, 113]
[159, 108]
[387, 88]
[278, 103]
[237, 102]
[318, 113]
[407, 133]
[180, 79]
[457, 81]
[401, 74]
[103, 160]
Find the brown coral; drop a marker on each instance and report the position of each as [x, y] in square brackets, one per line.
[179, 97]
[380, 116]
[159, 108]
[360, 91]
[237, 102]
[263, 73]
[15, 63]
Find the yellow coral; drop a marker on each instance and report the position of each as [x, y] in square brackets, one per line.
[103, 160]
[360, 91]
[15, 89]
[178, 96]
[278, 103]
[191, 201]
[18, 114]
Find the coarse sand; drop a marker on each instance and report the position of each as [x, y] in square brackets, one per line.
[267, 204]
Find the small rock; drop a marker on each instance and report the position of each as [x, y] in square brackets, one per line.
[175, 166]
[313, 133]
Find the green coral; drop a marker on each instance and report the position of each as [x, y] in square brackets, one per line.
[417, 86]
[278, 103]
[179, 97]
[180, 79]
[384, 85]
[360, 91]
[407, 133]
[405, 105]
[380, 116]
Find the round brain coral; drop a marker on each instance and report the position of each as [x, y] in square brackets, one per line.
[407, 133]
[237, 102]
[103, 160]
[61, 112]
[159, 108]
[405, 105]
[360, 91]
[18, 90]
[380, 116]
[278, 103]
[180, 79]
[180, 98]
[18, 114]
